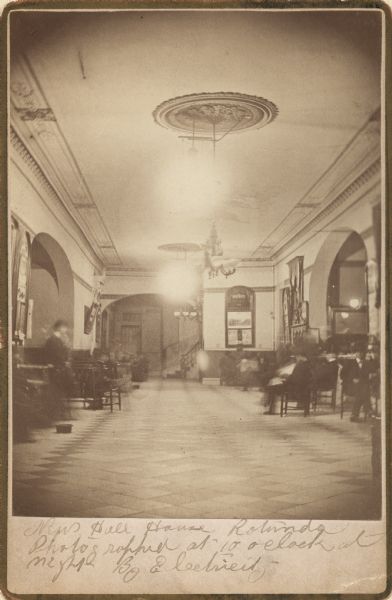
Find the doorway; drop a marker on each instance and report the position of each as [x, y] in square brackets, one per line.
[146, 325]
[51, 289]
[131, 339]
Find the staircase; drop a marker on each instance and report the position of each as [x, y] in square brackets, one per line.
[186, 367]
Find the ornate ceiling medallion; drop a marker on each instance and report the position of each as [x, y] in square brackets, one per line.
[217, 114]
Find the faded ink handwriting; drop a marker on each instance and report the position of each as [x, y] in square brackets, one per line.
[252, 549]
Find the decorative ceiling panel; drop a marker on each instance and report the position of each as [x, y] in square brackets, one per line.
[36, 124]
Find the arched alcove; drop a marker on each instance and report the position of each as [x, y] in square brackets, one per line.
[345, 243]
[145, 324]
[51, 288]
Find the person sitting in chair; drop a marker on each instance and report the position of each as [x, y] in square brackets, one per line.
[299, 383]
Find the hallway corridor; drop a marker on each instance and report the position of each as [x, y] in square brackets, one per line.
[180, 449]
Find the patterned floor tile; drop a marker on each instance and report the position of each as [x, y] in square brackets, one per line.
[187, 450]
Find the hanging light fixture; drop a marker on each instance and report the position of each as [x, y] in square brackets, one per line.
[214, 261]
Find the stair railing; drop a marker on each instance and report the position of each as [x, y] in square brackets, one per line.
[170, 355]
[189, 358]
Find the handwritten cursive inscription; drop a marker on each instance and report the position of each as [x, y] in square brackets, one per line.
[251, 549]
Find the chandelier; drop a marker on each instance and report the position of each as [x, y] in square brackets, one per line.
[214, 262]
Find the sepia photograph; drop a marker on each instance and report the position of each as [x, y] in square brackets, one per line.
[196, 242]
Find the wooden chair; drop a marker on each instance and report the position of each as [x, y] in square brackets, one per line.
[112, 394]
[110, 385]
[285, 399]
[325, 386]
[324, 392]
[98, 385]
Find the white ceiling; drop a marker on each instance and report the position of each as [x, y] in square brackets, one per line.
[322, 70]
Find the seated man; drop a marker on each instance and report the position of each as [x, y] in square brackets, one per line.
[325, 372]
[299, 383]
[277, 385]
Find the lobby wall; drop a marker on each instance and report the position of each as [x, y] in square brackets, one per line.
[121, 283]
[259, 278]
[44, 216]
[319, 249]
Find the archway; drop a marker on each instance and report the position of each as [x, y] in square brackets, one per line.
[337, 291]
[146, 325]
[51, 288]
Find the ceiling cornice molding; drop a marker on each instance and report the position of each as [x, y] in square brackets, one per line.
[315, 216]
[37, 127]
[39, 176]
[353, 166]
[339, 202]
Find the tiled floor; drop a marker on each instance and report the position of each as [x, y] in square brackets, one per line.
[180, 449]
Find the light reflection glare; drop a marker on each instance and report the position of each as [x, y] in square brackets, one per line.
[178, 282]
[355, 303]
[202, 360]
[193, 183]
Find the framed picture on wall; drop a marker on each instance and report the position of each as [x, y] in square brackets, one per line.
[232, 337]
[239, 320]
[240, 317]
[247, 337]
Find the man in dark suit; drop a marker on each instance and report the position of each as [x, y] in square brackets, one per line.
[58, 356]
[356, 381]
[299, 383]
[57, 345]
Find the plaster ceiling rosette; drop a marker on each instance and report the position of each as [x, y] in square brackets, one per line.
[221, 112]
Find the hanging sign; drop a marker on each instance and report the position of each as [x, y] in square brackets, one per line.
[92, 313]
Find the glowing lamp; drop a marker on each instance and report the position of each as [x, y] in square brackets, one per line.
[355, 303]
